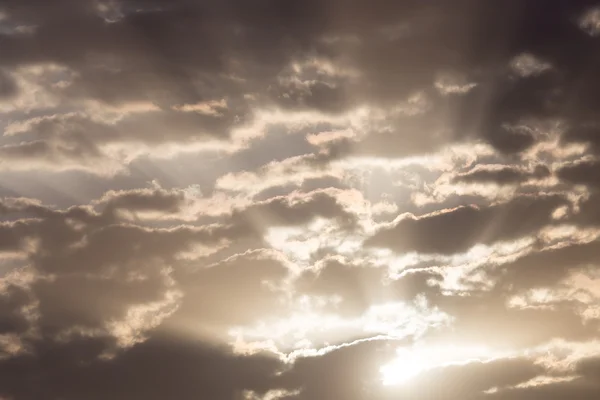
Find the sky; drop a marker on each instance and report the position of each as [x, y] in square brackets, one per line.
[299, 199]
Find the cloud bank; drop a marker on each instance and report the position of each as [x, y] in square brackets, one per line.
[301, 199]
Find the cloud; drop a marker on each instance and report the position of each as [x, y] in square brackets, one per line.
[472, 379]
[95, 275]
[456, 230]
[291, 199]
[582, 173]
[526, 65]
[502, 175]
[237, 291]
[75, 372]
[590, 21]
[348, 372]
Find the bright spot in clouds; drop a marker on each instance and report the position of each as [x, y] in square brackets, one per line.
[412, 361]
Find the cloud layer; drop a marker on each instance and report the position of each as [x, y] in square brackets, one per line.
[301, 199]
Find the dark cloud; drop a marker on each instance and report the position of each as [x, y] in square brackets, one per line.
[13, 301]
[8, 87]
[237, 291]
[576, 389]
[488, 318]
[502, 176]
[357, 287]
[145, 55]
[549, 266]
[456, 230]
[581, 173]
[93, 270]
[583, 384]
[588, 213]
[88, 303]
[298, 210]
[159, 368]
[161, 201]
[584, 133]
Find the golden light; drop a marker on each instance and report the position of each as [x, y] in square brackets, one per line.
[413, 361]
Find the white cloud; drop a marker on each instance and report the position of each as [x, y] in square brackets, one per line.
[590, 21]
[526, 65]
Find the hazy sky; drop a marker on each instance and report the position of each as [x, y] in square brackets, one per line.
[299, 199]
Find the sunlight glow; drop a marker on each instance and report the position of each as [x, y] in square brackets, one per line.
[310, 331]
[411, 362]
